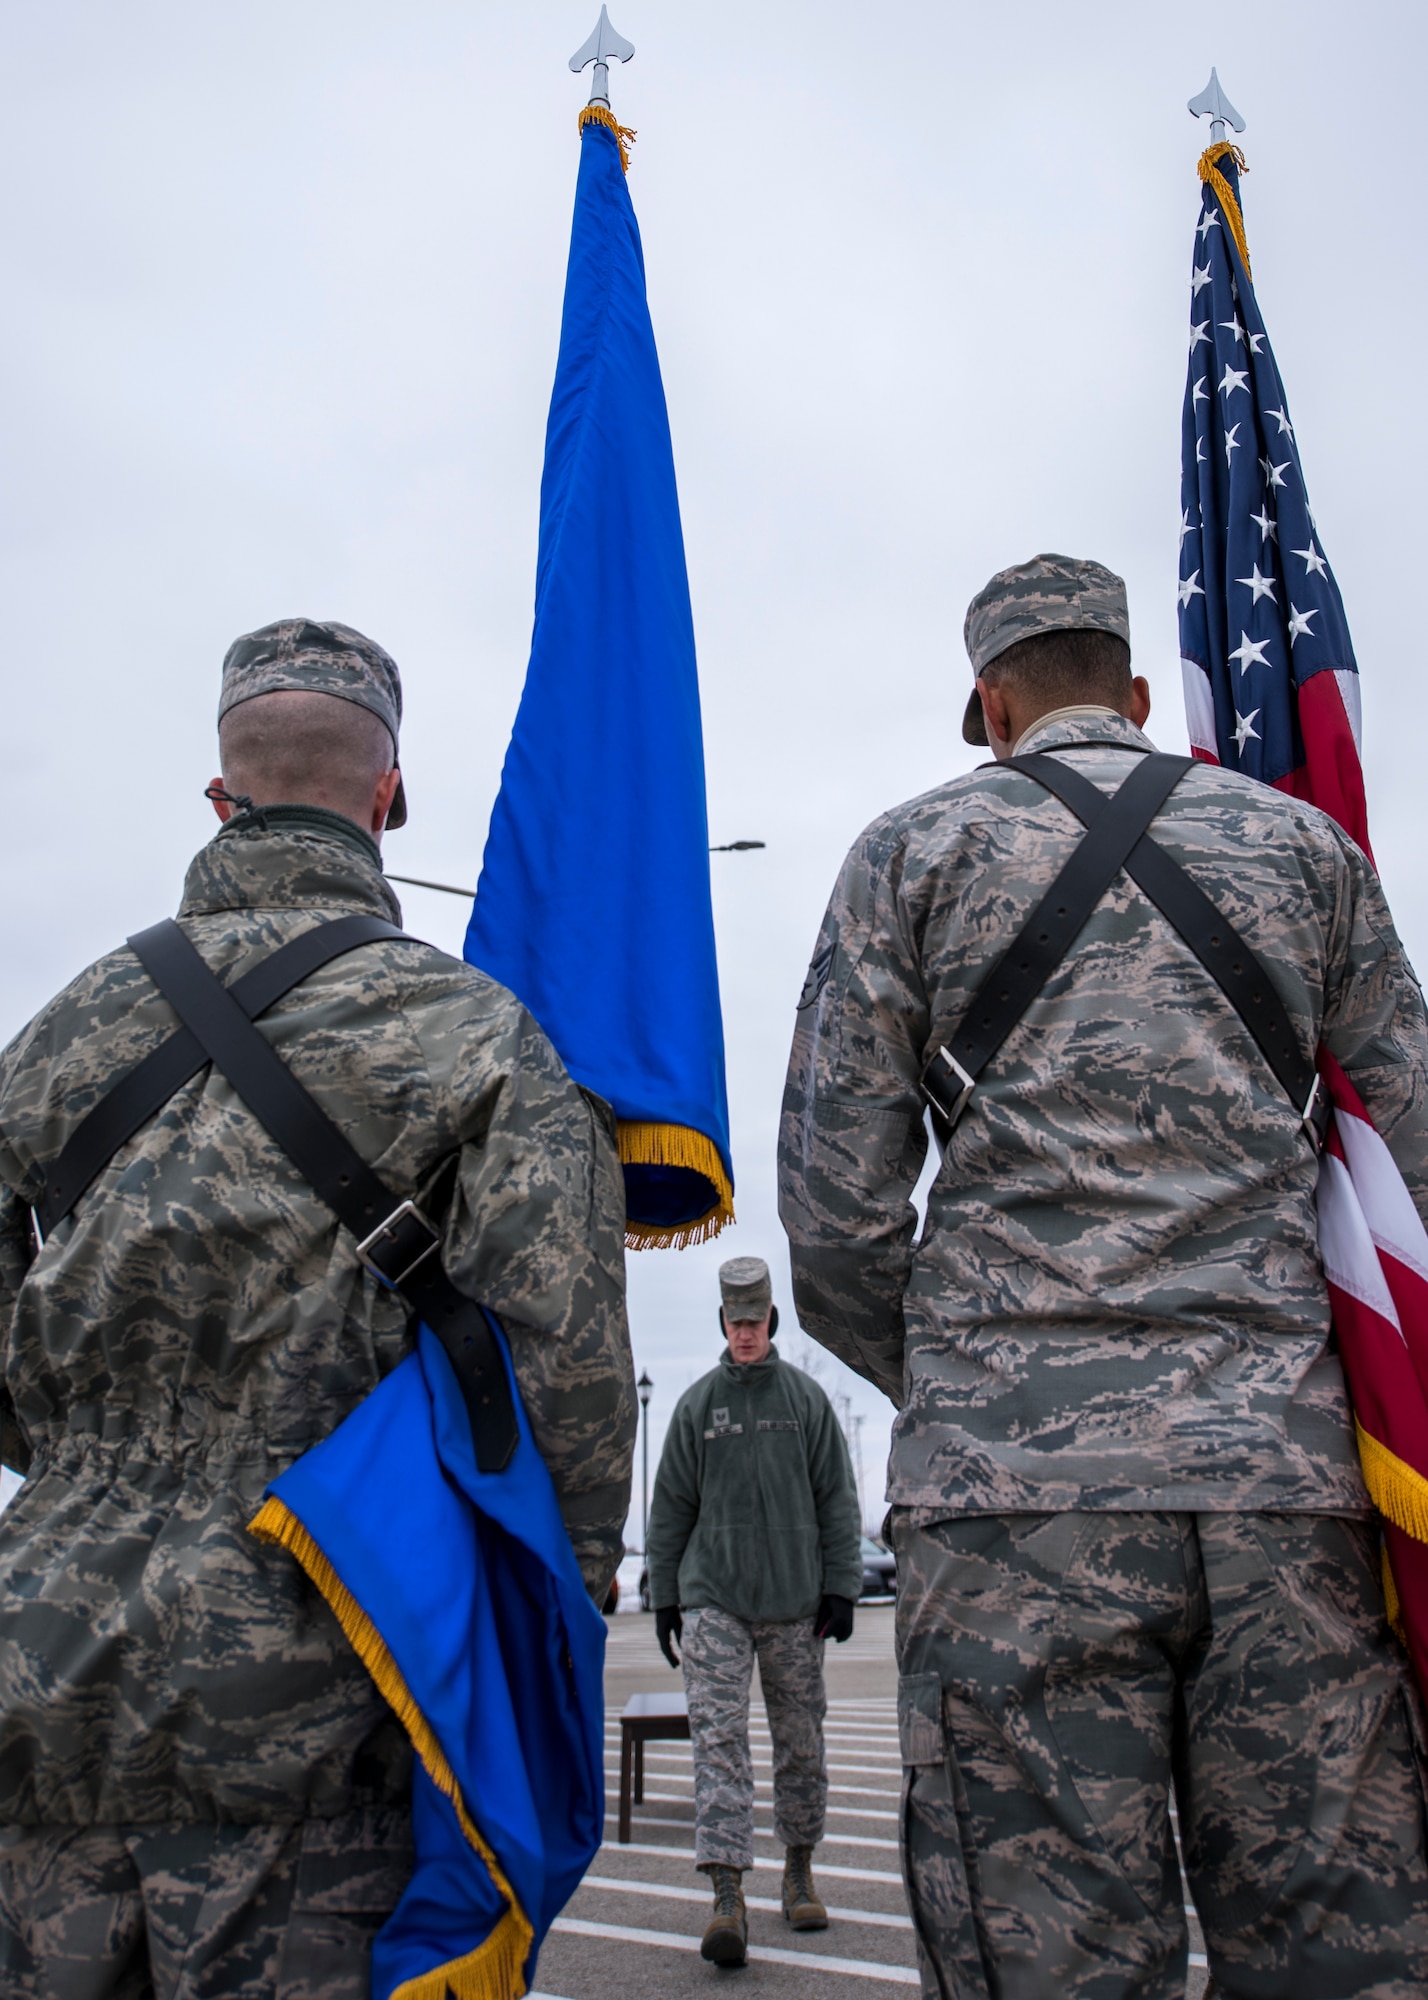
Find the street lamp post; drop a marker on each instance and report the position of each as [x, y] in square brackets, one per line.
[646, 1389]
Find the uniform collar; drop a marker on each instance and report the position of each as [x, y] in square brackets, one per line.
[287, 858]
[749, 1371]
[1084, 723]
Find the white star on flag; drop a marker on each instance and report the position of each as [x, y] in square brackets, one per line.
[1314, 564]
[1185, 528]
[1256, 341]
[1281, 417]
[1200, 278]
[1199, 330]
[1233, 326]
[1299, 624]
[1233, 379]
[1250, 653]
[1232, 442]
[1262, 586]
[1272, 472]
[1188, 588]
[1198, 391]
[1267, 525]
[1208, 221]
[1244, 728]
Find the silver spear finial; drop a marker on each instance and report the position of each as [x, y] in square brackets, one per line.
[1213, 104]
[602, 45]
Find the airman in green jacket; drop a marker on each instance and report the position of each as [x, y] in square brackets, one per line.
[754, 1547]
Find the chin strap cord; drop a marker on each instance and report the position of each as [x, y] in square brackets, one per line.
[241, 803]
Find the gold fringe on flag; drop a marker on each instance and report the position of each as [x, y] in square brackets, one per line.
[496, 1969]
[1399, 1493]
[596, 114]
[1224, 194]
[648, 1145]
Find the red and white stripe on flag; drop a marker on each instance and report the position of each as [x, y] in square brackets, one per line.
[1375, 1253]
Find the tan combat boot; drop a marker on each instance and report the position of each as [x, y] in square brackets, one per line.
[726, 1940]
[801, 1906]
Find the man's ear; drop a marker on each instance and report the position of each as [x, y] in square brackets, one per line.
[994, 709]
[722, 1327]
[773, 1321]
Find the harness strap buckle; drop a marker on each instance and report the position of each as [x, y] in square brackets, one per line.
[397, 1247]
[949, 1095]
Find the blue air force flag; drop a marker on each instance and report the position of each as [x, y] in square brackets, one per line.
[593, 904]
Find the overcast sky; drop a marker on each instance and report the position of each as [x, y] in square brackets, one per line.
[283, 288]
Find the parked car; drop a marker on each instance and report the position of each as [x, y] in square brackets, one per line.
[879, 1570]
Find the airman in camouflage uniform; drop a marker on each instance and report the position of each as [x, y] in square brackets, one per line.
[201, 1791]
[754, 1551]
[1134, 1544]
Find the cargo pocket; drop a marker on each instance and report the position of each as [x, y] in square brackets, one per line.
[352, 1871]
[939, 1863]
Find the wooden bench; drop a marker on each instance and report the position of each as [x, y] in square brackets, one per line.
[646, 1718]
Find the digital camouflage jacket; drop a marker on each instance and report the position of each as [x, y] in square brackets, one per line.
[1116, 1301]
[201, 1320]
[754, 1505]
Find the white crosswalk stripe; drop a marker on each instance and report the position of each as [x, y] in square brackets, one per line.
[885, 1920]
[854, 1968]
[612, 1796]
[824, 1867]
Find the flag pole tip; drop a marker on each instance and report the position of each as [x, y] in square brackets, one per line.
[1212, 103]
[601, 47]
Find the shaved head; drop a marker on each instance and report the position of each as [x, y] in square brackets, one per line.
[298, 748]
[1057, 669]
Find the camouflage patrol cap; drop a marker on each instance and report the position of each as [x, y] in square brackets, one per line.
[745, 1288]
[316, 656]
[1048, 594]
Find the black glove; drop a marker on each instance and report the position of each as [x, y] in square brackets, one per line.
[833, 1618]
[669, 1626]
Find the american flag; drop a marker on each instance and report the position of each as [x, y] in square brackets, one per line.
[1271, 684]
[1272, 690]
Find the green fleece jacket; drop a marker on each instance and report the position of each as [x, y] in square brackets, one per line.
[754, 1504]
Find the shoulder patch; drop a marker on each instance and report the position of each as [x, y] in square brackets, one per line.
[818, 973]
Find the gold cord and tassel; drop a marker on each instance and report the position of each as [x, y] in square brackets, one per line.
[650, 1145]
[496, 1969]
[1401, 1496]
[1399, 1493]
[1224, 194]
[596, 114]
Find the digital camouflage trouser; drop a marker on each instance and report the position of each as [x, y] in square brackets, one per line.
[718, 1653]
[1059, 1672]
[199, 1912]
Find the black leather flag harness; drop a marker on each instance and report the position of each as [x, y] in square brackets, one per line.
[1116, 838]
[395, 1241]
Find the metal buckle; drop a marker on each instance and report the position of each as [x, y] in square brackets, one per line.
[939, 1092]
[388, 1231]
[1317, 1113]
